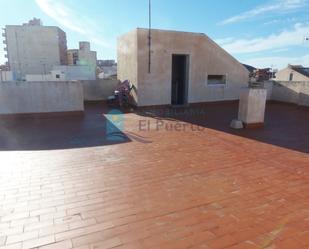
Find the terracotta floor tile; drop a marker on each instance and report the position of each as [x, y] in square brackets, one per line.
[63, 184]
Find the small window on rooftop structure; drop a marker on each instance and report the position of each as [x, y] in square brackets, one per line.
[216, 79]
[291, 77]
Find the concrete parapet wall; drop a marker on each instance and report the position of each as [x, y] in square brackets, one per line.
[40, 97]
[97, 90]
[268, 85]
[291, 92]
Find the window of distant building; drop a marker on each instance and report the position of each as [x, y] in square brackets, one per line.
[291, 77]
[57, 76]
[216, 80]
[75, 58]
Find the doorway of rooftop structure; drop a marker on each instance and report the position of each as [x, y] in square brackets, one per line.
[180, 66]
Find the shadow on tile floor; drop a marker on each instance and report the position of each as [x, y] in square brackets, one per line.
[62, 132]
[285, 125]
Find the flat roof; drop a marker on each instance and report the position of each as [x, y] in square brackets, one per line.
[173, 31]
[206, 186]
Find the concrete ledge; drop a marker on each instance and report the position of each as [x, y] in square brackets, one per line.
[41, 115]
[254, 125]
[189, 104]
[303, 107]
[236, 101]
[96, 102]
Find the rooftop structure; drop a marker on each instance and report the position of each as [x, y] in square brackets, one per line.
[293, 73]
[300, 69]
[181, 68]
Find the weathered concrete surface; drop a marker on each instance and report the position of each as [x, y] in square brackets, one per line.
[205, 57]
[127, 62]
[34, 49]
[40, 97]
[95, 90]
[6, 76]
[252, 105]
[303, 99]
[268, 85]
[76, 72]
[291, 92]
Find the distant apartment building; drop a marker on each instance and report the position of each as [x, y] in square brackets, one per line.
[32, 48]
[85, 59]
[72, 56]
[293, 73]
[82, 56]
[64, 73]
[6, 76]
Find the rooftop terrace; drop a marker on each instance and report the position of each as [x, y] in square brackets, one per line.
[171, 179]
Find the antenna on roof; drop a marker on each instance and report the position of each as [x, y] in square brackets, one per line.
[149, 37]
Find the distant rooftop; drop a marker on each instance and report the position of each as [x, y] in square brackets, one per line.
[173, 31]
[249, 68]
[34, 22]
[300, 69]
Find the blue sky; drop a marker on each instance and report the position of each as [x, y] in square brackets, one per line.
[258, 32]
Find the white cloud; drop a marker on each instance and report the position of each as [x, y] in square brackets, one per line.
[287, 38]
[60, 13]
[74, 21]
[284, 21]
[277, 61]
[277, 6]
[280, 50]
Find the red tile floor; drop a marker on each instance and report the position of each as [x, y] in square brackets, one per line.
[63, 184]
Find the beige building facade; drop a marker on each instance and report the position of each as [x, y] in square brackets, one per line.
[184, 68]
[293, 73]
[82, 56]
[34, 49]
[85, 59]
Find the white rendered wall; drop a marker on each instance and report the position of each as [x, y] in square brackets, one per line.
[40, 97]
[205, 57]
